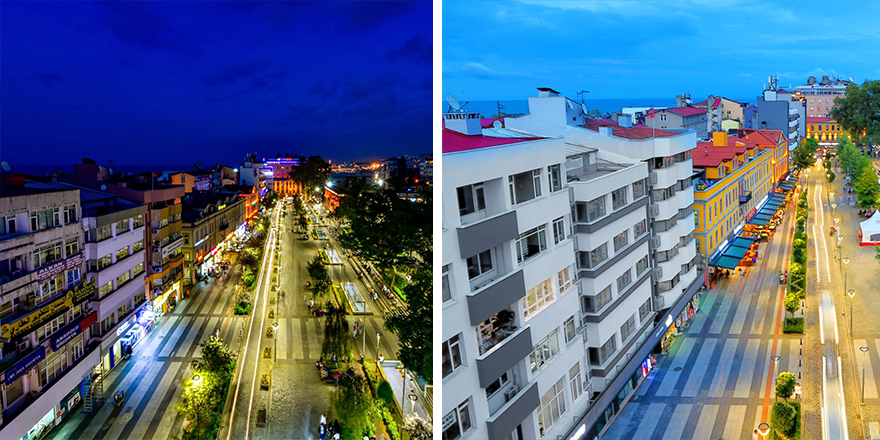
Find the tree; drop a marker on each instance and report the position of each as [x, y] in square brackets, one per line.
[413, 326]
[785, 383]
[320, 277]
[859, 112]
[337, 339]
[312, 173]
[784, 420]
[867, 189]
[216, 358]
[804, 154]
[792, 302]
[353, 405]
[830, 175]
[418, 428]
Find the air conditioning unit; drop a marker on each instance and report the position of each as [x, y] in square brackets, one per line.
[652, 178]
[657, 273]
[155, 232]
[157, 250]
[511, 393]
[659, 303]
[654, 210]
[157, 269]
[655, 242]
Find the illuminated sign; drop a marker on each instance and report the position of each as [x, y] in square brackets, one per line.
[31, 321]
[56, 268]
[25, 365]
[122, 328]
[66, 334]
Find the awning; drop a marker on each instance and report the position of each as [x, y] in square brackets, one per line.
[736, 251]
[729, 257]
[785, 186]
[726, 262]
[760, 219]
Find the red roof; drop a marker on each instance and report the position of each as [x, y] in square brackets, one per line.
[636, 132]
[487, 122]
[705, 155]
[454, 141]
[686, 111]
[818, 120]
[765, 137]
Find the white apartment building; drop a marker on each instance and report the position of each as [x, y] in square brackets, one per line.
[513, 359]
[46, 339]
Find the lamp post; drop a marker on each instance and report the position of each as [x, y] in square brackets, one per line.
[197, 380]
[845, 262]
[851, 293]
[402, 372]
[275, 337]
[378, 338]
[775, 372]
[763, 429]
[864, 354]
[412, 398]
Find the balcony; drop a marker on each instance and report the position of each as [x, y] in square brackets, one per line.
[485, 234]
[518, 404]
[504, 356]
[495, 330]
[498, 294]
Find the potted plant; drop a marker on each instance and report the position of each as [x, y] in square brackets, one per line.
[505, 320]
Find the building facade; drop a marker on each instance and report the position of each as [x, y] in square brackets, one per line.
[824, 130]
[210, 220]
[819, 97]
[680, 118]
[779, 110]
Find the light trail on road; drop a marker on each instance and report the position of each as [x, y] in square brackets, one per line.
[834, 407]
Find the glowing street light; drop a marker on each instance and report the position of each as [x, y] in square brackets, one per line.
[775, 371]
[851, 293]
[763, 429]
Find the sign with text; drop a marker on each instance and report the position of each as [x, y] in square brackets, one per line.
[31, 321]
[58, 267]
[66, 334]
[23, 366]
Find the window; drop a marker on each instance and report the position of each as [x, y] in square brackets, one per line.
[628, 328]
[451, 355]
[496, 385]
[538, 297]
[47, 254]
[596, 209]
[457, 422]
[45, 219]
[107, 323]
[52, 366]
[525, 186]
[592, 304]
[138, 269]
[122, 279]
[624, 280]
[558, 230]
[555, 177]
[471, 199]
[71, 247]
[105, 289]
[640, 228]
[122, 253]
[563, 279]
[73, 276]
[479, 264]
[544, 351]
[138, 246]
[530, 243]
[105, 261]
[123, 310]
[575, 381]
[139, 298]
[569, 328]
[138, 221]
[644, 310]
[638, 189]
[48, 288]
[447, 291]
[620, 241]
[598, 255]
[668, 285]
[642, 265]
[599, 356]
[121, 226]
[7, 225]
[552, 406]
[69, 214]
[104, 233]
[618, 198]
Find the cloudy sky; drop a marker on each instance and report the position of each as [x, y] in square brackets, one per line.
[184, 82]
[652, 49]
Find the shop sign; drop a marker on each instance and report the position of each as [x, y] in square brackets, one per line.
[31, 321]
[88, 321]
[60, 266]
[72, 399]
[83, 292]
[66, 334]
[23, 366]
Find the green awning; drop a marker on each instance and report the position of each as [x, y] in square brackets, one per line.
[726, 262]
[736, 251]
[760, 221]
[742, 241]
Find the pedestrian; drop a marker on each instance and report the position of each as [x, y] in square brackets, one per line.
[797, 391]
[755, 435]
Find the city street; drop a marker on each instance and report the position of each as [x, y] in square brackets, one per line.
[716, 380]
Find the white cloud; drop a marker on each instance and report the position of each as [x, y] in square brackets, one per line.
[479, 71]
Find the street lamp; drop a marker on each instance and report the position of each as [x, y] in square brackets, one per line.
[378, 338]
[197, 380]
[775, 372]
[402, 372]
[864, 353]
[845, 262]
[412, 398]
[763, 429]
[851, 293]
[275, 336]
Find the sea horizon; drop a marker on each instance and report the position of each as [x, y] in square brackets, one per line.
[520, 106]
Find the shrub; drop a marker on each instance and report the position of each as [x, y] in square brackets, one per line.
[792, 302]
[785, 421]
[785, 384]
[793, 325]
[385, 393]
[242, 308]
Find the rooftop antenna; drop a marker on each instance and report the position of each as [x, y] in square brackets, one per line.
[500, 107]
[583, 104]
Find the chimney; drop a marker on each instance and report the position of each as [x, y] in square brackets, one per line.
[466, 123]
[625, 121]
[719, 138]
[824, 79]
[605, 131]
[811, 80]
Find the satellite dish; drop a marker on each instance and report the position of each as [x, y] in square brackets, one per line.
[453, 103]
[5, 166]
[100, 168]
[497, 124]
[687, 101]
[110, 169]
[103, 187]
[584, 107]
[54, 179]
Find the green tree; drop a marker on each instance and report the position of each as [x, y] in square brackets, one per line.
[337, 339]
[785, 383]
[792, 302]
[320, 276]
[311, 174]
[216, 358]
[859, 112]
[830, 175]
[784, 421]
[354, 406]
[196, 404]
[867, 189]
[804, 154]
[413, 326]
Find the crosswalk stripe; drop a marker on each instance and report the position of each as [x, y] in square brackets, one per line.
[706, 422]
[649, 422]
[676, 425]
[191, 336]
[282, 336]
[670, 379]
[724, 365]
[133, 399]
[692, 387]
[209, 329]
[295, 342]
[171, 341]
[143, 422]
[747, 370]
[97, 421]
[735, 418]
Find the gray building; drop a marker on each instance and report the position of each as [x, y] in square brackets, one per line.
[777, 110]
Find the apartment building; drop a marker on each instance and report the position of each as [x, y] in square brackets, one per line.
[47, 351]
[733, 176]
[779, 110]
[772, 140]
[210, 219]
[824, 130]
[819, 97]
[513, 358]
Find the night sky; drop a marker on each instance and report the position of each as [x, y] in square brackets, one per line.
[185, 82]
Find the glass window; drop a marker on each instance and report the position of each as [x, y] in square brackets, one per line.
[552, 406]
[563, 279]
[570, 330]
[69, 214]
[640, 228]
[596, 209]
[598, 255]
[138, 246]
[544, 351]
[122, 279]
[620, 241]
[530, 243]
[644, 310]
[558, 230]
[71, 246]
[525, 186]
[628, 328]
[618, 198]
[642, 265]
[471, 198]
[451, 355]
[555, 177]
[104, 233]
[575, 381]
[638, 189]
[598, 356]
[447, 291]
[624, 280]
[105, 289]
[457, 422]
[122, 253]
[479, 264]
[593, 304]
[122, 226]
[538, 297]
[497, 384]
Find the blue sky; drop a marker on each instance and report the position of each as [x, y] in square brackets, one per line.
[184, 82]
[652, 49]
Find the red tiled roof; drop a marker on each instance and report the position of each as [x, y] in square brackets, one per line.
[636, 132]
[706, 155]
[454, 141]
[765, 137]
[818, 120]
[686, 111]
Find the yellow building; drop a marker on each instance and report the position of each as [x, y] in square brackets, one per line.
[824, 130]
[773, 140]
[735, 176]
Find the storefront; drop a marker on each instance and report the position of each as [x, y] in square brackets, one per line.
[677, 325]
[166, 302]
[648, 364]
[65, 407]
[42, 427]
